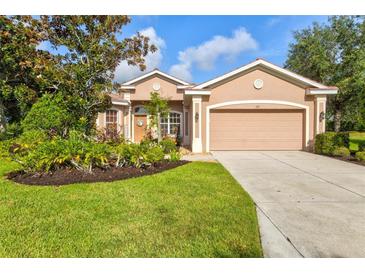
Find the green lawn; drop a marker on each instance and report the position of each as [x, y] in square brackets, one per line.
[196, 210]
[355, 139]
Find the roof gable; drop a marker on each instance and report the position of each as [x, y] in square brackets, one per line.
[155, 72]
[263, 63]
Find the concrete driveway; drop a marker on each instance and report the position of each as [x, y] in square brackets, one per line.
[308, 205]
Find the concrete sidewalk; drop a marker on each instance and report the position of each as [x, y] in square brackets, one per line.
[308, 205]
[202, 157]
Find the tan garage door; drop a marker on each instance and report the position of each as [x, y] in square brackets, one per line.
[256, 129]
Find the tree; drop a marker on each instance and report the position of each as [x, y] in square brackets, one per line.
[24, 69]
[334, 54]
[85, 52]
[93, 51]
[157, 108]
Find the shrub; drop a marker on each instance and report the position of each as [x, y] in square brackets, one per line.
[153, 155]
[11, 131]
[129, 154]
[341, 152]
[360, 156]
[111, 136]
[51, 154]
[174, 156]
[98, 155]
[50, 114]
[25, 142]
[37, 152]
[341, 139]
[361, 146]
[147, 143]
[139, 155]
[326, 143]
[168, 145]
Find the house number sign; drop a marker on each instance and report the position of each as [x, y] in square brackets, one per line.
[140, 123]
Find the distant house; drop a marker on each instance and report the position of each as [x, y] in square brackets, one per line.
[259, 106]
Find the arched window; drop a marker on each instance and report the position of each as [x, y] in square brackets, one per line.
[140, 110]
[171, 125]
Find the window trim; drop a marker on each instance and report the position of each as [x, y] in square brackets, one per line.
[118, 118]
[181, 122]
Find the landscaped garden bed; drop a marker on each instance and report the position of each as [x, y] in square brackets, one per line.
[345, 146]
[53, 160]
[67, 176]
[351, 159]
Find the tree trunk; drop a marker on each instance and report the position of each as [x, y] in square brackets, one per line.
[2, 117]
[338, 120]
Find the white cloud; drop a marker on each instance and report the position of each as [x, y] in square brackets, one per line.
[125, 72]
[181, 71]
[204, 56]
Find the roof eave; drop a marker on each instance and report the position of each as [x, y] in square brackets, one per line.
[121, 102]
[197, 92]
[130, 82]
[321, 91]
[265, 64]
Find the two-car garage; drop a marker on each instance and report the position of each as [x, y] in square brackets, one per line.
[259, 106]
[251, 129]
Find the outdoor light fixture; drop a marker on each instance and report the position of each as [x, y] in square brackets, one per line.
[321, 116]
[196, 116]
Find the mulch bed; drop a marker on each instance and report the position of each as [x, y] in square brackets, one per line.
[71, 176]
[350, 159]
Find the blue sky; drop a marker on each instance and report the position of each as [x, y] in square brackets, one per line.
[198, 48]
[189, 49]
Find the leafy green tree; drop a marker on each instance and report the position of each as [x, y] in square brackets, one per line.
[157, 108]
[88, 49]
[24, 70]
[93, 51]
[334, 54]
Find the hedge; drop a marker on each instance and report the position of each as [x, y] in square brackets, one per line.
[326, 143]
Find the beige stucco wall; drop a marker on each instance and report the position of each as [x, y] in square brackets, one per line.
[241, 88]
[121, 112]
[144, 88]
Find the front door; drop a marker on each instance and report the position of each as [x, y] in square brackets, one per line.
[140, 126]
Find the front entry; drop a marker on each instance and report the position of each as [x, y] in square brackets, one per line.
[139, 126]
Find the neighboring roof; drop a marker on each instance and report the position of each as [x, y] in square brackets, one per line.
[115, 96]
[261, 62]
[153, 72]
[117, 99]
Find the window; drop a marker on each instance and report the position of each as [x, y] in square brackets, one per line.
[111, 122]
[171, 124]
[140, 110]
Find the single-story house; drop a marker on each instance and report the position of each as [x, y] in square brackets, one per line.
[259, 106]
